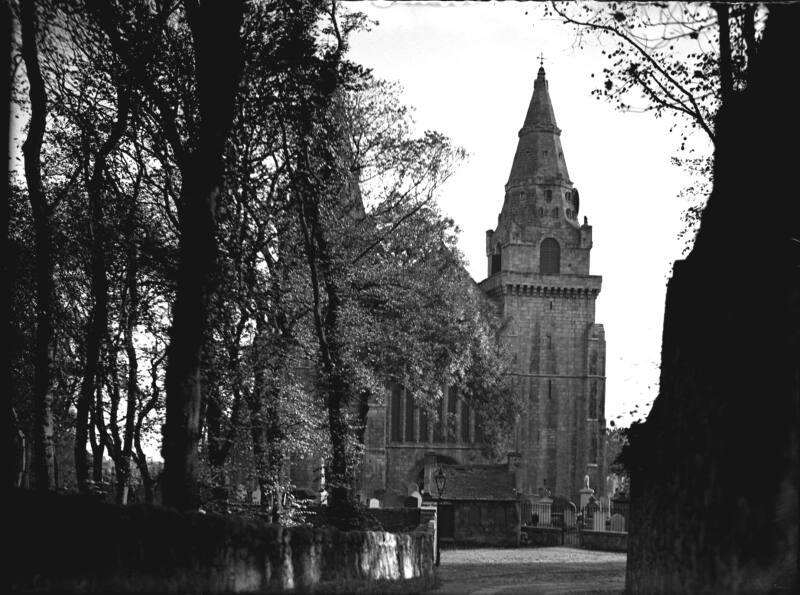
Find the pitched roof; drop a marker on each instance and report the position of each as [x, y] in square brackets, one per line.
[478, 482]
[539, 156]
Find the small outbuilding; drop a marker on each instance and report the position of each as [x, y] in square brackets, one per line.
[478, 505]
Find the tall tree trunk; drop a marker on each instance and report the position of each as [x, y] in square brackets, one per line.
[749, 34]
[190, 317]
[132, 393]
[326, 321]
[98, 448]
[95, 335]
[98, 321]
[42, 466]
[215, 28]
[144, 471]
[266, 431]
[141, 459]
[131, 320]
[725, 61]
[15, 437]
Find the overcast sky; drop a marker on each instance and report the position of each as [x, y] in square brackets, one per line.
[468, 70]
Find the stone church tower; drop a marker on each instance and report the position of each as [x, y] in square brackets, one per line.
[539, 277]
[538, 274]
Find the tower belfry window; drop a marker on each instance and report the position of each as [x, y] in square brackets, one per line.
[549, 257]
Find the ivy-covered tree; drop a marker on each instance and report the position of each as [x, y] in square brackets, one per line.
[673, 59]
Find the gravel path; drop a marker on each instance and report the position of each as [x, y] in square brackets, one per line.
[530, 570]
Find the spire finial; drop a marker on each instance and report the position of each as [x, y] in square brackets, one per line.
[540, 74]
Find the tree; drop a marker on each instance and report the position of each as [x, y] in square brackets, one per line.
[43, 458]
[673, 59]
[215, 29]
[98, 190]
[390, 300]
[285, 230]
[718, 42]
[215, 34]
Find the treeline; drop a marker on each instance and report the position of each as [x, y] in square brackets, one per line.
[224, 232]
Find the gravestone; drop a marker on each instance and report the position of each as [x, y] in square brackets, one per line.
[586, 492]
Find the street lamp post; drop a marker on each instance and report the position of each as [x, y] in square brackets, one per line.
[440, 478]
[441, 481]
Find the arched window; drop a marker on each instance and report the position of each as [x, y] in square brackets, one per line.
[555, 212]
[396, 414]
[464, 425]
[409, 435]
[450, 422]
[549, 257]
[541, 212]
[548, 195]
[423, 425]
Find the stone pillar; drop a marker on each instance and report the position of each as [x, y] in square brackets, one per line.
[428, 516]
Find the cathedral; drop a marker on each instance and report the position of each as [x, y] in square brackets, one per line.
[538, 277]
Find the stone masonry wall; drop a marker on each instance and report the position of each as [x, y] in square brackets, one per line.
[494, 523]
[73, 544]
[542, 536]
[405, 464]
[560, 366]
[607, 541]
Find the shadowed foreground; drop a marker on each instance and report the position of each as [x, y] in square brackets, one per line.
[714, 470]
[530, 570]
[148, 549]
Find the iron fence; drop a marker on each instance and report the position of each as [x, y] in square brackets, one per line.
[597, 515]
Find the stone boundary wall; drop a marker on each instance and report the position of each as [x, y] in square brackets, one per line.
[608, 541]
[74, 544]
[541, 536]
[397, 519]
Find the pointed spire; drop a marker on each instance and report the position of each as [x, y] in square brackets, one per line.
[540, 111]
[539, 153]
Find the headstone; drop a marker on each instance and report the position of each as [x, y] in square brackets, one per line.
[374, 503]
[418, 496]
[586, 492]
